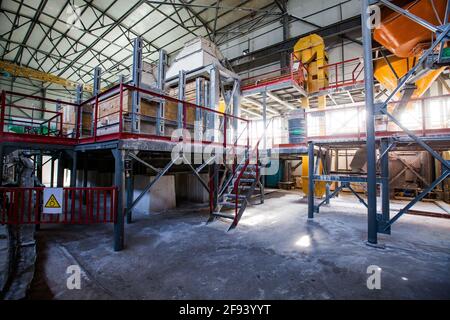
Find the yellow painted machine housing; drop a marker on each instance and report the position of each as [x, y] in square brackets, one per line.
[319, 186]
[384, 74]
[310, 51]
[407, 40]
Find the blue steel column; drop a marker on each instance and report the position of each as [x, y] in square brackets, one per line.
[97, 87]
[137, 77]
[129, 187]
[370, 124]
[310, 180]
[60, 170]
[78, 112]
[73, 172]
[214, 95]
[236, 106]
[162, 63]
[181, 96]
[200, 101]
[119, 228]
[384, 162]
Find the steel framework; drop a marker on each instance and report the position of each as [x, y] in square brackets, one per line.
[382, 222]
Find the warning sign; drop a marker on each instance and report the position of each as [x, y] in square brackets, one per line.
[52, 203]
[53, 200]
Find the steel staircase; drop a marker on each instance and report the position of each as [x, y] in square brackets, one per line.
[236, 194]
[240, 186]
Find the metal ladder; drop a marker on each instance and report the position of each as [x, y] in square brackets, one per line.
[237, 194]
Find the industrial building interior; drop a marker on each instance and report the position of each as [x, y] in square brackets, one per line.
[225, 149]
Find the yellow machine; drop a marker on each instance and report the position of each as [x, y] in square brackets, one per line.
[25, 72]
[310, 52]
[401, 66]
[406, 40]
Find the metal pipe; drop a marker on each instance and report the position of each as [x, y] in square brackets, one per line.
[370, 125]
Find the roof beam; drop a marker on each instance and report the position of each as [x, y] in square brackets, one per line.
[251, 112]
[260, 105]
[91, 45]
[282, 102]
[271, 54]
[198, 17]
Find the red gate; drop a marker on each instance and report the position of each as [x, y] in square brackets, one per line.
[80, 206]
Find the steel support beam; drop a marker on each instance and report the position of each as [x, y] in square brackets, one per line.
[311, 180]
[200, 101]
[370, 125]
[137, 79]
[181, 97]
[60, 170]
[119, 228]
[204, 184]
[73, 172]
[272, 53]
[129, 187]
[277, 99]
[214, 95]
[384, 164]
[151, 183]
[79, 112]
[418, 198]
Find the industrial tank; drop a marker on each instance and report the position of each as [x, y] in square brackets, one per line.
[297, 126]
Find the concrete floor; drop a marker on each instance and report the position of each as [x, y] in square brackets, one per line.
[275, 253]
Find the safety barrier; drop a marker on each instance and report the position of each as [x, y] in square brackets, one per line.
[79, 206]
[427, 116]
[110, 116]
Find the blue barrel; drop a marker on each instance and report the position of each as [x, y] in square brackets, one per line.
[297, 126]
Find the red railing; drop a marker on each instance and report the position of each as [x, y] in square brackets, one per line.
[41, 121]
[294, 72]
[426, 116]
[80, 206]
[107, 124]
[344, 73]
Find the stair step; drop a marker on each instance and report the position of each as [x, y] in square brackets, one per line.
[229, 204]
[244, 180]
[249, 166]
[223, 215]
[231, 195]
[249, 173]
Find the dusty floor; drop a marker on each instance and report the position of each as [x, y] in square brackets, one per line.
[275, 253]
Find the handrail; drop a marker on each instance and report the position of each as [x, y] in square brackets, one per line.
[186, 103]
[244, 168]
[226, 184]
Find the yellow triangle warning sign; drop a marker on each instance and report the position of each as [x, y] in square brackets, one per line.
[52, 203]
